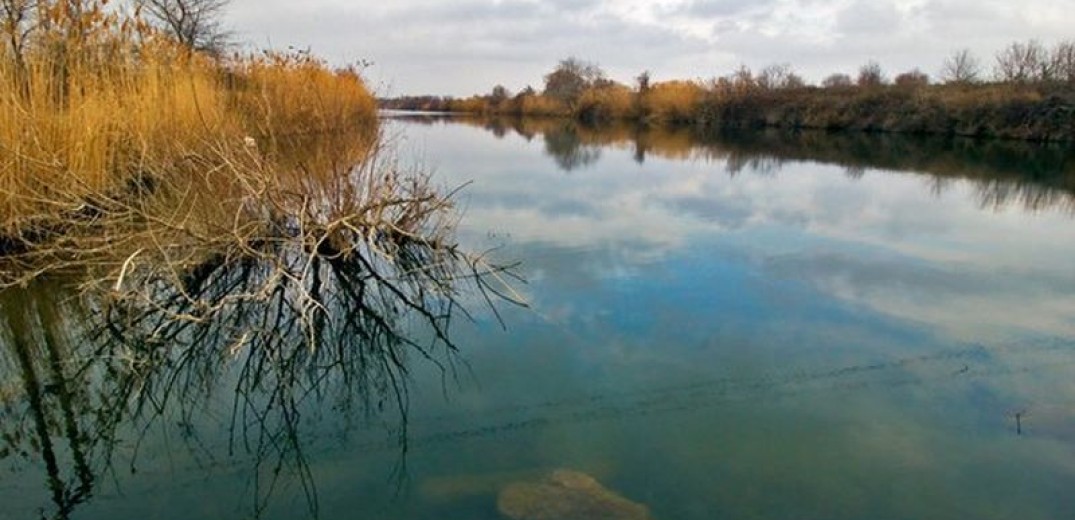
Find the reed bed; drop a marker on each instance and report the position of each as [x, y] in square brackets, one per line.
[107, 125]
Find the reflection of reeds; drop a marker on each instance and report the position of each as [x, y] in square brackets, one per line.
[286, 290]
[1002, 173]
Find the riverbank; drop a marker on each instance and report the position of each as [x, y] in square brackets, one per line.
[1035, 105]
[116, 139]
[1042, 112]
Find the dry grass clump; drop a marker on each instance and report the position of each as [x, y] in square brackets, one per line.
[671, 101]
[605, 103]
[106, 127]
[281, 94]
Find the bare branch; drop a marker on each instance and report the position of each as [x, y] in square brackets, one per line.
[195, 23]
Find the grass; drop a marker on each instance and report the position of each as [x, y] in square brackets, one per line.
[110, 131]
[119, 105]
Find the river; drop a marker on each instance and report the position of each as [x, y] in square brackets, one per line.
[751, 325]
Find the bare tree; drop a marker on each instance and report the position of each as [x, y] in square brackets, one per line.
[870, 75]
[779, 76]
[1063, 61]
[1022, 62]
[15, 27]
[570, 78]
[195, 23]
[15, 16]
[961, 67]
[743, 80]
[644, 82]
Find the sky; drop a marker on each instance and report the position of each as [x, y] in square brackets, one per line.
[465, 47]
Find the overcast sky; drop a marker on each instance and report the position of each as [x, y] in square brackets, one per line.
[464, 47]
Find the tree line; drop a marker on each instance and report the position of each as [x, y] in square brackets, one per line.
[967, 97]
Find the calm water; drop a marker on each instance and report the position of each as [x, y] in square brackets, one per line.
[748, 326]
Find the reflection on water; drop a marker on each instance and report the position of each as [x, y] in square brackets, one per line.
[564, 144]
[1003, 172]
[230, 355]
[228, 316]
[771, 325]
[738, 326]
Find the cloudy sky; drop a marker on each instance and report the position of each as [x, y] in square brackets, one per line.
[463, 47]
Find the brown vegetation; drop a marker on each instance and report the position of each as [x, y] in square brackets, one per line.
[1031, 98]
[167, 215]
[105, 122]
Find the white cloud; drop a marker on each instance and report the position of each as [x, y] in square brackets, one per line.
[465, 47]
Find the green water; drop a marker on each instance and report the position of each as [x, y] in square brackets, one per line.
[743, 326]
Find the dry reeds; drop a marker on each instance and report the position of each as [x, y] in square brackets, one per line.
[103, 121]
[208, 210]
[137, 163]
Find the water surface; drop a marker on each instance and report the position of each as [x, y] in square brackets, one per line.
[738, 326]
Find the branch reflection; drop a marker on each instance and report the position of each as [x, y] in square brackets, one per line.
[96, 371]
[259, 305]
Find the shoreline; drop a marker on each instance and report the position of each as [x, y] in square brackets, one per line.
[1043, 113]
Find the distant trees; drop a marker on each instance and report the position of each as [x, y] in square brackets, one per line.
[870, 75]
[570, 78]
[198, 24]
[1023, 61]
[643, 81]
[1030, 61]
[912, 78]
[672, 101]
[499, 96]
[837, 80]
[742, 80]
[962, 67]
[779, 76]
[1063, 60]
[775, 93]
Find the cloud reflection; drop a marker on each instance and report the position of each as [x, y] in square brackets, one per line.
[973, 238]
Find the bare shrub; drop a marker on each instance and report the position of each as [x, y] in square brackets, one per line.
[961, 67]
[1023, 62]
[870, 75]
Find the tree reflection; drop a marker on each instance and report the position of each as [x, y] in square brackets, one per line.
[566, 147]
[285, 337]
[45, 416]
[306, 285]
[1032, 175]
